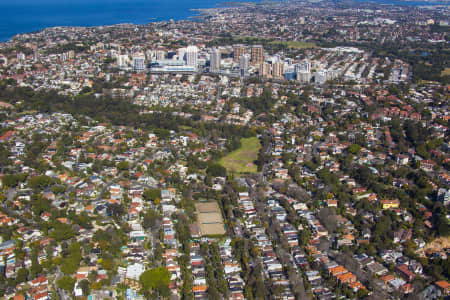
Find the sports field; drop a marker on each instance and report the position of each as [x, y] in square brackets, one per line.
[209, 219]
[241, 161]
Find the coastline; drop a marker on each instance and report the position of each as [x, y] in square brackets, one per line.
[16, 25]
[84, 15]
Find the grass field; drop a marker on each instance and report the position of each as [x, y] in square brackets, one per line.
[241, 160]
[295, 44]
[445, 72]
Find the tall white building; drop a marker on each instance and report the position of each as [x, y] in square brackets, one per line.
[244, 61]
[304, 66]
[215, 60]
[160, 54]
[139, 62]
[181, 53]
[320, 77]
[192, 56]
[150, 55]
[303, 70]
[20, 56]
[304, 77]
[123, 61]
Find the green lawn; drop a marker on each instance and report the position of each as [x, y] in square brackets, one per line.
[241, 160]
[295, 44]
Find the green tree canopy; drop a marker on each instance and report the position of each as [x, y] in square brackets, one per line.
[62, 232]
[354, 148]
[40, 181]
[152, 194]
[66, 283]
[216, 170]
[123, 165]
[156, 280]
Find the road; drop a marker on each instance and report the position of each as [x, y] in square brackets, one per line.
[268, 151]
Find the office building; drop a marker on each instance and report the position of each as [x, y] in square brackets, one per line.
[139, 62]
[289, 72]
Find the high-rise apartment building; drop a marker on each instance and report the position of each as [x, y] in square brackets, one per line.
[215, 60]
[122, 61]
[238, 51]
[265, 70]
[257, 55]
[244, 63]
[192, 56]
[304, 65]
[304, 77]
[278, 70]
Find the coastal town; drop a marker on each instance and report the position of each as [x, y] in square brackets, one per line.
[279, 150]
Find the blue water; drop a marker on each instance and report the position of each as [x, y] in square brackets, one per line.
[408, 2]
[22, 16]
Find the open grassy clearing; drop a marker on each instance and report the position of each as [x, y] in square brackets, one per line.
[296, 44]
[241, 161]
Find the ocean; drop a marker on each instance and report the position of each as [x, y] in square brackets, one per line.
[23, 16]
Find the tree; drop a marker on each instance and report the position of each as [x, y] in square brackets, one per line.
[260, 289]
[22, 275]
[42, 181]
[354, 148]
[36, 268]
[115, 210]
[327, 217]
[10, 180]
[62, 232]
[216, 170]
[123, 165]
[70, 264]
[152, 195]
[85, 287]
[66, 283]
[156, 280]
[150, 219]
